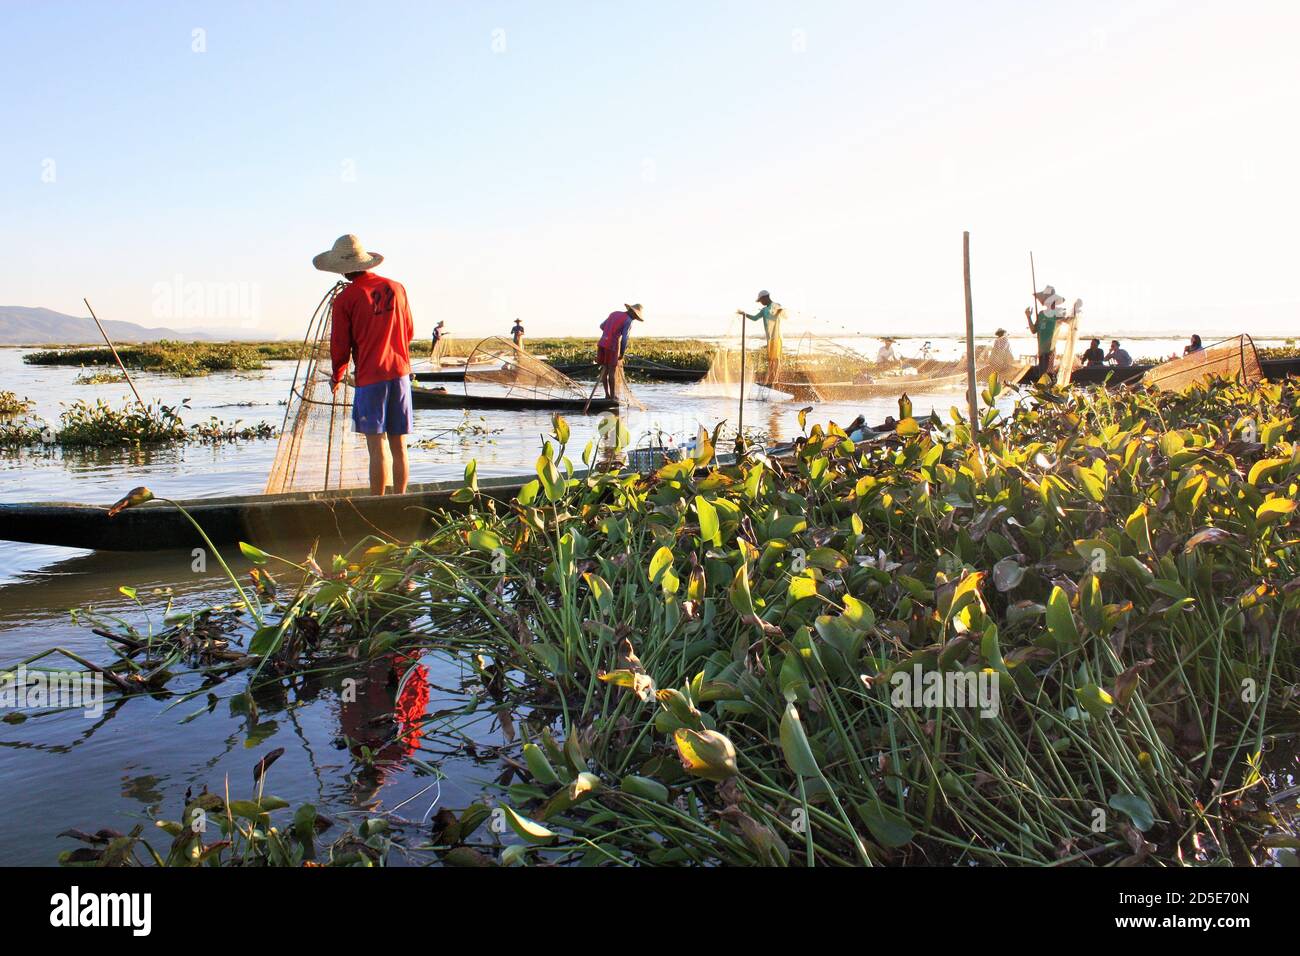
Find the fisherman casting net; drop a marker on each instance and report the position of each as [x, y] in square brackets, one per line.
[1233, 358]
[318, 450]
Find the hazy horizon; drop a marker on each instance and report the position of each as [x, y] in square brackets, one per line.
[554, 162]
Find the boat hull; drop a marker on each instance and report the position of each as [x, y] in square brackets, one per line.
[428, 398]
[295, 516]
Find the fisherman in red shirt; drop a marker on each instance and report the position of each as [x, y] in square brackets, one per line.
[372, 327]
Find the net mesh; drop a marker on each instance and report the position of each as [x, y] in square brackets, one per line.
[1232, 358]
[822, 368]
[497, 366]
[318, 450]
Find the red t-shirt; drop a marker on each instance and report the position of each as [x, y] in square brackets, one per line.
[372, 326]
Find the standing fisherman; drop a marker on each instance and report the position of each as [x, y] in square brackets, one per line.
[438, 336]
[517, 334]
[1047, 304]
[372, 327]
[771, 313]
[611, 348]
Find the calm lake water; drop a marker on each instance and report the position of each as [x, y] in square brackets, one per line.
[61, 770]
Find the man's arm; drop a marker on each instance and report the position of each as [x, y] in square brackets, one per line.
[340, 341]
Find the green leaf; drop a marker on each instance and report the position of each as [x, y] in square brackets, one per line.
[256, 555]
[1060, 620]
[886, 824]
[644, 787]
[1274, 509]
[710, 529]
[1136, 808]
[528, 830]
[1095, 700]
[483, 540]
[794, 744]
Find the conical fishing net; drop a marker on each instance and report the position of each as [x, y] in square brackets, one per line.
[1232, 358]
[497, 366]
[318, 450]
[812, 367]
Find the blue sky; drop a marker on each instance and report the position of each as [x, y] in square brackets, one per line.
[552, 160]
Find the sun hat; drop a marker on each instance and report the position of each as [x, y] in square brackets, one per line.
[635, 311]
[762, 295]
[347, 255]
[1000, 332]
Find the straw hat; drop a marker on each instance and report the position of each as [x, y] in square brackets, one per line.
[635, 311]
[348, 255]
[1000, 332]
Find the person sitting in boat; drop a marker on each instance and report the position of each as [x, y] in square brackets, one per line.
[611, 348]
[771, 313]
[1118, 356]
[1093, 356]
[886, 354]
[517, 334]
[1042, 319]
[1194, 346]
[372, 328]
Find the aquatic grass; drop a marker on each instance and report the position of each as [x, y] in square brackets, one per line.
[168, 357]
[11, 404]
[101, 425]
[708, 660]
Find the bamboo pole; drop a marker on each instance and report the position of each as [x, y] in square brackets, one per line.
[740, 426]
[971, 395]
[113, 348]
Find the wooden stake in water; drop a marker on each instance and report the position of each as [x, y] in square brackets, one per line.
[740, 425]
[970, 338]
[117, 358]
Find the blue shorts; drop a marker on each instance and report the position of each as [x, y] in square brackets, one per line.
[383, 408]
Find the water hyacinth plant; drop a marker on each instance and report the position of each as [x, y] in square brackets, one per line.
[715, 663]
[100, 425]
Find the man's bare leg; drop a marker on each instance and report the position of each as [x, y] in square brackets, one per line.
[401, 468]
[378, 467]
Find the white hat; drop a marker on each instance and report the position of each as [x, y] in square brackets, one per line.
[763, 295]
[348, 255]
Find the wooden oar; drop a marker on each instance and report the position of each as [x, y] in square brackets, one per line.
[594, 385]
[112, 348]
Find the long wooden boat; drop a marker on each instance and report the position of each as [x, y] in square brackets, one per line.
[1273, 370]
[454, 398]
[293, 516]
[650, 370]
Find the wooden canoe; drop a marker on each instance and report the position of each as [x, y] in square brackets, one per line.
[293, 516]
[662, 373]
[455, 398]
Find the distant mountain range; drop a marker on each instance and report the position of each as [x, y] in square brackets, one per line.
[20, 325]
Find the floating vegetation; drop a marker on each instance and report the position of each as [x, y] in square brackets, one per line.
[100, 378]
[1069, 639]
[217, 831]
[466, 431]
[172, 358]
[100, 425]
[11, 404]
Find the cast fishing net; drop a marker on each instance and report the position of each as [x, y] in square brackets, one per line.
[318, 450]
[497, 366]
[1233, 358]
[812, 367]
